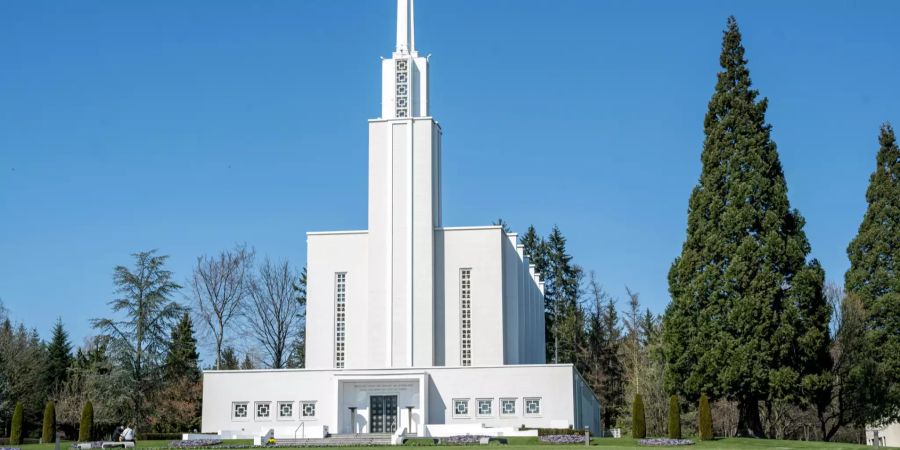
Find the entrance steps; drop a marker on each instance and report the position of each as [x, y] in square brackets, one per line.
[340, 440]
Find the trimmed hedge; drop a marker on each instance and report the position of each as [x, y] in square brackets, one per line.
[674, 418]
[49, 429]
[557, 431]
[705, 416]
[638, 421]
[87, 422]
[420, 442]
[159, 436]
[15, 433]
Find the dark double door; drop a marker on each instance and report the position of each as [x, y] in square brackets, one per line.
[382, 413]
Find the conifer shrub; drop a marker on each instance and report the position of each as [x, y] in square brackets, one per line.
[638, 421]
[49, 428]
[706, 429]
[87, 422]
[15, 432]
[674, 418]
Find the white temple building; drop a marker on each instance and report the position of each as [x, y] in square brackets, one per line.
[412, 327]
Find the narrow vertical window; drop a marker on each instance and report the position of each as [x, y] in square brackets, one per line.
[340, 319]
[402, 88]
[465, 316]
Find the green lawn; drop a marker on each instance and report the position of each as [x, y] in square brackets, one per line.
[605, 443]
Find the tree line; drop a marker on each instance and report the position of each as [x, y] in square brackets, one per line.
[752, 328]
[142, 366]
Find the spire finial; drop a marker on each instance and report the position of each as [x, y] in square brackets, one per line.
[406, 34]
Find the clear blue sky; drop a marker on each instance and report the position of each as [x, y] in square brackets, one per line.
[192, 126]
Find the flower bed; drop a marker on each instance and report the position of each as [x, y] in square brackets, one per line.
[461, 440]
[195, 443]
[563, 439]
[659, 442]
[92, 444]
[9, 448]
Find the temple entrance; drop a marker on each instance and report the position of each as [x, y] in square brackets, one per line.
[382, 413]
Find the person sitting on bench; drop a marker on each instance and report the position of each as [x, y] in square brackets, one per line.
[128, 434]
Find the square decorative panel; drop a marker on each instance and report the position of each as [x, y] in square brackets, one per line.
[508, 406]
[532, 406]
[460, 407]
[262, 410]
[285, 410]
[309, 409]
[484, 407]
[240, 410]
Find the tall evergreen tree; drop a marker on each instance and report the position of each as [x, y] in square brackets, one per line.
[603, 367]
[229, 359]
[59, 355]
[874, 278]
[564, 318]
[248, 363]
[748, 318]
[138, 338]
[182, 359]
[535, 249]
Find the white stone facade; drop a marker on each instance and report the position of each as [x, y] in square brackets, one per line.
[410, 325]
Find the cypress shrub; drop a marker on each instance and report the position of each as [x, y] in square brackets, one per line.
[706, 429]
[15, 432]
[87, 422]
[49, 424]
[674, 418]
[638, 422]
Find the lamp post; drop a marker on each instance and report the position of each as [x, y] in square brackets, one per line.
[352, 420]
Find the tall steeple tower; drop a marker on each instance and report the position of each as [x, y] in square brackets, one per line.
[404, 206]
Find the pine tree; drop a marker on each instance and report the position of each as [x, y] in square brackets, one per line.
[15, 433]
[638, 421]
[85, 430]
[229, 359]
[674, 418]
[874, 278]
[182, 359]
[59, 355]
[248, 363]
[705, 418]
[748, 318]
[49, 429]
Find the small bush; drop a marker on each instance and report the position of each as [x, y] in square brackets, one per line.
[15, 433]
[638, 422]
[674, 418]
[87, 422]
[49, 429]
[706, 429]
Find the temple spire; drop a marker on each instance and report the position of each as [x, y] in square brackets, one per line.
[406, 28]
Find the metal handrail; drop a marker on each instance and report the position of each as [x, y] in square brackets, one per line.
[302, 425]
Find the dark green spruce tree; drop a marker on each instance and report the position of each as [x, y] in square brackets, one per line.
[748, 319]
[182, 359]
[59, 355]
[874, 277]
[229, 359]
[564, 317]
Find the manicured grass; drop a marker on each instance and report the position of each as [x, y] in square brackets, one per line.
[605, 443]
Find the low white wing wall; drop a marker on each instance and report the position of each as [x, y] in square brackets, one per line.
[474, 429]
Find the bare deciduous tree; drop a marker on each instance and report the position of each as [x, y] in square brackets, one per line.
[273, 313]
[220, 286]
